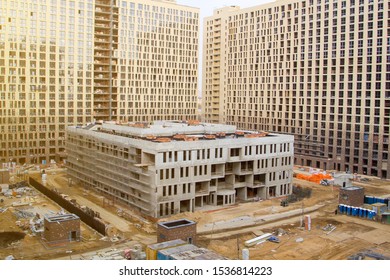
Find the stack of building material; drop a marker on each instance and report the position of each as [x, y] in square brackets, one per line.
[315, 178]
[198, 254]
[307, 222]
[151, 250]
[258, 240]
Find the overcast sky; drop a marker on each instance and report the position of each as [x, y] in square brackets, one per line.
[206, 9]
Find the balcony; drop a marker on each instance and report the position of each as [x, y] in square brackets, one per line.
[102, 41]
[102, 18]
[102, 77]
[99, 54]
[102, 33]
[102, 70]
[101, 85]
[258, 184]
[102, 114]
[102, 10]
[103, 3]
[99, 91]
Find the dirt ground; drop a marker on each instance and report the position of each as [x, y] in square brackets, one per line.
[223, 230]
[125, 224]
[125, 221]
[22, 244]
[351, 236]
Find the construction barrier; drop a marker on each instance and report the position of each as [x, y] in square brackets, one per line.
[98, 225]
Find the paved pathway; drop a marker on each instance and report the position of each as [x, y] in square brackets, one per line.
[247, 221]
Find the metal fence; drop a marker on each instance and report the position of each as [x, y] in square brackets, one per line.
[90, 220]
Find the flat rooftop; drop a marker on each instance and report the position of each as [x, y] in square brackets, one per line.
[171, 131]
[176, 223]
[61, 218]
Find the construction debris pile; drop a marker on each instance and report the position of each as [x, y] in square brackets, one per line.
[20, 191]
[135, 253]
[368, 254]
[36, 224]
[329, 228]
[27, 220]
[23, 214]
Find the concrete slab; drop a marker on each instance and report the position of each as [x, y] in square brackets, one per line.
[376, 236]
[337, 236]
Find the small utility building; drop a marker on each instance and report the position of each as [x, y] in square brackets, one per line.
[179, 229]
[62, 228]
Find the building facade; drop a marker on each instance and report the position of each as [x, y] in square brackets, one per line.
[72, 62]
[61, 228]
[315, 69]
[179, 229]
[174, 167]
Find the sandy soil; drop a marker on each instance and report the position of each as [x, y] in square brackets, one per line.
[226, 229]
[32, 247]
[351, 236]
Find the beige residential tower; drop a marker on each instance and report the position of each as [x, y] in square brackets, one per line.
[72, 62]
[315, 69]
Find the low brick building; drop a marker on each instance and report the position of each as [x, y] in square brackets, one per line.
[179, 229]
[62, 228]
[352, 196]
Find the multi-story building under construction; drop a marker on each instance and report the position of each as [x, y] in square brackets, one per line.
[72, 62]
[316, 69]
[173, 167]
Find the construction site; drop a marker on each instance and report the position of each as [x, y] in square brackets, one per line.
[306, 225]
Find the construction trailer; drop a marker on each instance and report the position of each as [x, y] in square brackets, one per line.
[151, 250]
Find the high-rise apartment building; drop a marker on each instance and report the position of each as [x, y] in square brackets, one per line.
[317, 69]
[71, 62]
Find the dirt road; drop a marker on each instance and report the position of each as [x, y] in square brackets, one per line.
[118, 222]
